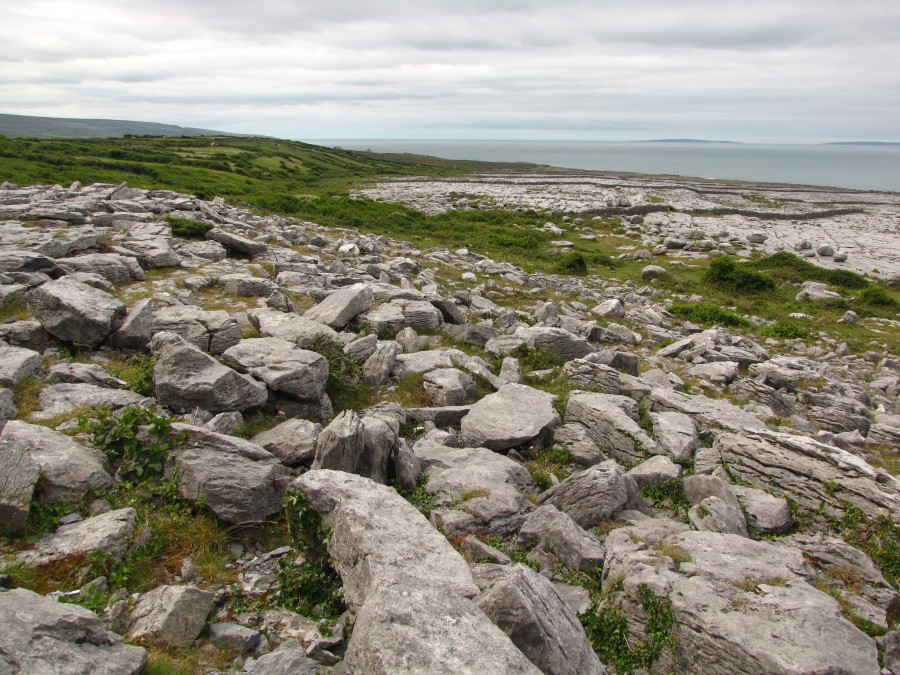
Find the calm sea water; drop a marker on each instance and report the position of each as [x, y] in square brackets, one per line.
[864, 167]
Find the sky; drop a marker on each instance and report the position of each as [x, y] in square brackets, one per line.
[781, 71]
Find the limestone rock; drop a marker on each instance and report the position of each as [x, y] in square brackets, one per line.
[75, 312]
[739, 606]
[212, 332]
[656, 470]
[171, 616]
[61, 399]
[342, 306]
[186, 378]
[42, 636]
[108, 534]
[557, 341]
[68, 469]
[557, 539]
[411, 591]
[591, 496]
[609, 424]
[538, 621]
[234, 488]
[513, 415]
[301, 331]
[676, 436]
[448, 386]
[293, 441]
[765, 513]
[377, 368]
[341, 444]
[578, 442]
[281, 365]
[17, 363]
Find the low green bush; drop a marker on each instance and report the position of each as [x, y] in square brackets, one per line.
[572, 263]
[187, 228]
[727, 274]
[708, 313]
[788, 267]
[788, 330]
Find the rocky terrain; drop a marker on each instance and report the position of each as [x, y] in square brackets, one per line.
[472, 469]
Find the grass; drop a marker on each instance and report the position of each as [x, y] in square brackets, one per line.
[26, 396]
[727, 274]
[345, 385]
[786, 266]
[14, 311]
[137, 372]
[751, 585]
[410, 392]
[556, 461]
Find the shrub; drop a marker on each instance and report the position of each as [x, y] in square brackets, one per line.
[727, 274]
[789, 267]
[572, 263]
[787, 330]
[705, 312]
[875, 296]
[187, 228]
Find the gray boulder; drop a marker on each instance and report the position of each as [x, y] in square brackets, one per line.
[594, 495]
[67, 469]
[611, 421]
[738, 606]
[656, 470]
[412, 593]
[813, 474]
[171, 616]
[342, 306]
[592, 376]
[153, 244]
[247, 285]
[43, 637]
[19, 476]
[557, 341]
[341, 444]
[82, 373]
[108, 534]
[764, 512]
[575, 438]
[527, 607]
[288, 659]
[556, 539]
[61, 399]
[675, 434]
[186, 378]
[293, 442]
[17, 363]
[513, 415]
[297, 329]
[234, 488]
[377, 368]
[234, 636]
[281, 365]
[115, 268]
[212, 332]
[235, 242]
[448, 386]
[75, 312]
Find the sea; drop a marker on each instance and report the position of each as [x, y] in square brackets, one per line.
[855, 166]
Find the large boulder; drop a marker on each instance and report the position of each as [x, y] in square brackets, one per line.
[478, 481]
[555, 539]
[115, 268]
[67, 469]
[513, 415]
[594, 495]
[557, 341]
[342, 306]
[297, 329]
[17, 363]
[186, 378]
[737, 605]
[108, 534]
[234, 488]
[412, 593]
[611, 421]
[293, 441]
[813, 474]
[171, 616]
[212, 332]
[62, 399]
[45, 637]
[75, 312]
[540, 623]
[281, 365]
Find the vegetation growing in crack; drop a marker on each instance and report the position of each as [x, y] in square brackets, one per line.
[311, 587]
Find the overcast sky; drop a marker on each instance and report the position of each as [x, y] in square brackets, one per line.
[760, 70]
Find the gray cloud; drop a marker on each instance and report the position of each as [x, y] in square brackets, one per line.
[789, 70]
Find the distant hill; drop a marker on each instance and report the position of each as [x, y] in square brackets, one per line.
[26, 126]
[688, 140]
[863, 143]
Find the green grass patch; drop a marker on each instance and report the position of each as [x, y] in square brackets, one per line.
[788, 330]
[137, 372]
[727, 274]
[572, 263]
[345, 385]
[707, 313]
[788, 267]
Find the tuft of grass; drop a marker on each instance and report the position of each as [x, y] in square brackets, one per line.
[345, 385]
[26, 396]
[256, 424]
[751, 585]
[673, 551]
[14, 311]
[137, 372]
[475, 493]
[410, 392]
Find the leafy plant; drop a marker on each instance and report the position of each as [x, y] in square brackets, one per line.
[312, 587]
[345, 385]
[119, 436]
[137, 372]
[607, 630]
[419, 496]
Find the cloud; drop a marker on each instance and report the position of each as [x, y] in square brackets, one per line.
[771, 70]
